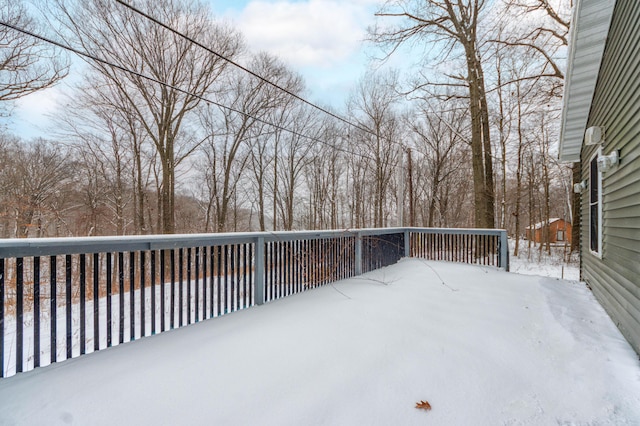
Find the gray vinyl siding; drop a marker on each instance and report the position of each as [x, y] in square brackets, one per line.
[615, 278]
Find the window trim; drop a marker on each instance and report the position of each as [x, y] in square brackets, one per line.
[598, 180]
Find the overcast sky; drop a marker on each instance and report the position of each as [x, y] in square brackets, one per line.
[321, 39]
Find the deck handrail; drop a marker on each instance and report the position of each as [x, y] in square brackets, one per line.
[96, 292]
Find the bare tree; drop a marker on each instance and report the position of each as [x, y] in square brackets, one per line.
[35, 185]
[7, 161]
[372, 106]
[325, 180]
[26, 64]
[185, 72]
[439, 135]
[538, 29]
[528, 40]
[231, 133]
[100, 131]
[454, 25]
[295, 157]
[265, 150]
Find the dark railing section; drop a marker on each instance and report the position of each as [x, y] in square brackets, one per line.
[61, 298]
[292, 266]
[379, 251]
[482, 247]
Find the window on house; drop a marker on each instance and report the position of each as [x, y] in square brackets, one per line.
[560, 235]
[595, 206]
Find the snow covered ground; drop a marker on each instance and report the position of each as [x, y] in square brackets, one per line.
[482, 346]
[532, 261]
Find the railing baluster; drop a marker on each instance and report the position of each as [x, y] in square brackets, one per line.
[313, 265]
[188, 285]
[172, 261]
[143, 299]
[225, 270]
[235, 265]
[253, 272]
[276, 266]
[284, 282]
[288, 282]
[206, 279]
[233, 268]
[132, 296]
[299, 263]
[337, 264]
[272, 270]
[53, 311]
[96, 302]
[282, 269]
[19, 314]
[68, 301]
[163, 265]
[242, 274]
[290, 277]
[279, 270]
[36, 312]
[238, 275]
[211, 281]
[276, 270]
[83, 297]
[152, 277]
[121, 297]
[295, 266]
[197, 301]
[275, 294]
[109, 299]
[219, 280]
[306, 259]
[269, 270]
[181, 286]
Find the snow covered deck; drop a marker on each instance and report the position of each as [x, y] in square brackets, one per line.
[482, 346]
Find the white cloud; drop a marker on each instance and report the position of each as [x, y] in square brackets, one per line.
[318, 33]
[31, 116]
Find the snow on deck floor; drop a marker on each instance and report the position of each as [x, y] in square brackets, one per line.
[483, 347]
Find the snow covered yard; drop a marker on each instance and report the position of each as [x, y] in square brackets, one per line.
[533, 261]
[483, 347]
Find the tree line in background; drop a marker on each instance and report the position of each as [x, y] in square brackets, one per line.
[163, 136]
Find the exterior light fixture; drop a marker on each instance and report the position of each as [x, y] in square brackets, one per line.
[606, 162]
[594, 135]
[579, 187]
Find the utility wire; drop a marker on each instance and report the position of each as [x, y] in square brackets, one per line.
[186, 92]
[256, 75]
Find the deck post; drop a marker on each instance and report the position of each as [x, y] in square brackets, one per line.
[259, 271]
[358, 254]
[407, 242]
[504, 251]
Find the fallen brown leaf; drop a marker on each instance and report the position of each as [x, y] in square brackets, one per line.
[424, 405]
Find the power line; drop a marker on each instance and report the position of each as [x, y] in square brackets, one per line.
[186, 92]
[232, 62]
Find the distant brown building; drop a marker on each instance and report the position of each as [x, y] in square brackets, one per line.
[559, 231]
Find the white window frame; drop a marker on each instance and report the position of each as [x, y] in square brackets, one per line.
[598, 181]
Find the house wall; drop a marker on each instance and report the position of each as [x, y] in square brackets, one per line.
[615, 278]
